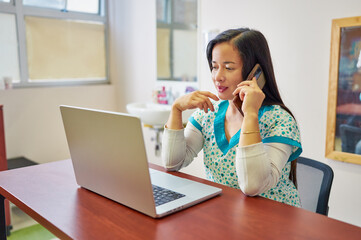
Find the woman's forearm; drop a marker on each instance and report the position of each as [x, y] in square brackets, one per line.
[250, 130]
[175, 120]
[259, 166]
[180, 147]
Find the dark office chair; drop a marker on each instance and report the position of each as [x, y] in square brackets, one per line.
[350, 136]
[314, 180]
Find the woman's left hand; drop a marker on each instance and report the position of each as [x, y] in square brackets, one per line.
[251, 95]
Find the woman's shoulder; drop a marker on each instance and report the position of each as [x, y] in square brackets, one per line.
[278, 125]
[274, 118]
[274, 112]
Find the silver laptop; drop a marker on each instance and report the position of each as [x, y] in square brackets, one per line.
[109, 158]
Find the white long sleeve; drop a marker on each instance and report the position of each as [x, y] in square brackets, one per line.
[258, 166]
[180, 147]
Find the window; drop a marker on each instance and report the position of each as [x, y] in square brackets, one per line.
[177, 40]
[53, 42]
[9, 55]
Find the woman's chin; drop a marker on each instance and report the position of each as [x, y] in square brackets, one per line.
[224, 97]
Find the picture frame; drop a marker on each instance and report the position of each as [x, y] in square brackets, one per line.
[343, 131]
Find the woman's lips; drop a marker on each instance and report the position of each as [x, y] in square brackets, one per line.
[221, 89]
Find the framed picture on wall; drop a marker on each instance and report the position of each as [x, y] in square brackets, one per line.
[343, 133]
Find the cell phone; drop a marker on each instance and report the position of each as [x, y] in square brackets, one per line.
[261, 81]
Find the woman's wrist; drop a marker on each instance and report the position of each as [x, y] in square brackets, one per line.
[176, 109]
[250, 132]
[251, 115]
[250, 124]
[175, 118]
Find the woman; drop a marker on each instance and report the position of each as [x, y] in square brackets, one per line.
[252, 151]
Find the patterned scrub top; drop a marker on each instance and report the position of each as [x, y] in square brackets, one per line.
[276, 125]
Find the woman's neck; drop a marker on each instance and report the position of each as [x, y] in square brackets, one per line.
[232, 111]
[232, 121]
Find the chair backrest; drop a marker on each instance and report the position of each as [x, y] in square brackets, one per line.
[314, 180]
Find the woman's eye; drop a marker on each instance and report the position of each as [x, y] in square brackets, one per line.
[229, 68]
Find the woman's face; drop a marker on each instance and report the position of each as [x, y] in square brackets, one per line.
[226, 70]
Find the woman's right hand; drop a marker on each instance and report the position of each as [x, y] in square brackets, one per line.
[196, 99]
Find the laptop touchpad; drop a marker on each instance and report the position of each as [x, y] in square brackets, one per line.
[167, 180]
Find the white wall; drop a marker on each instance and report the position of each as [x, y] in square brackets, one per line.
[299, 37]
[33, 125]
[133, 42]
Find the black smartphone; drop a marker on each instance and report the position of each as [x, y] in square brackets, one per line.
[261, 81]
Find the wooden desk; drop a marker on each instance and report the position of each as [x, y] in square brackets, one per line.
[49, 194]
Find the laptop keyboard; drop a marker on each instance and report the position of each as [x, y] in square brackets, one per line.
[162, 195]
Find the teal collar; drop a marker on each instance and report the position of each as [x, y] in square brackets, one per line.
[219, 130]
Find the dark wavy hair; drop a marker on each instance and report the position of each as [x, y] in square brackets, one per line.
[253, 48]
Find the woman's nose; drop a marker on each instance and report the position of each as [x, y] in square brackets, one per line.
[219, 76]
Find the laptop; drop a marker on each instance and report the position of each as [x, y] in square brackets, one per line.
[109, 158]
